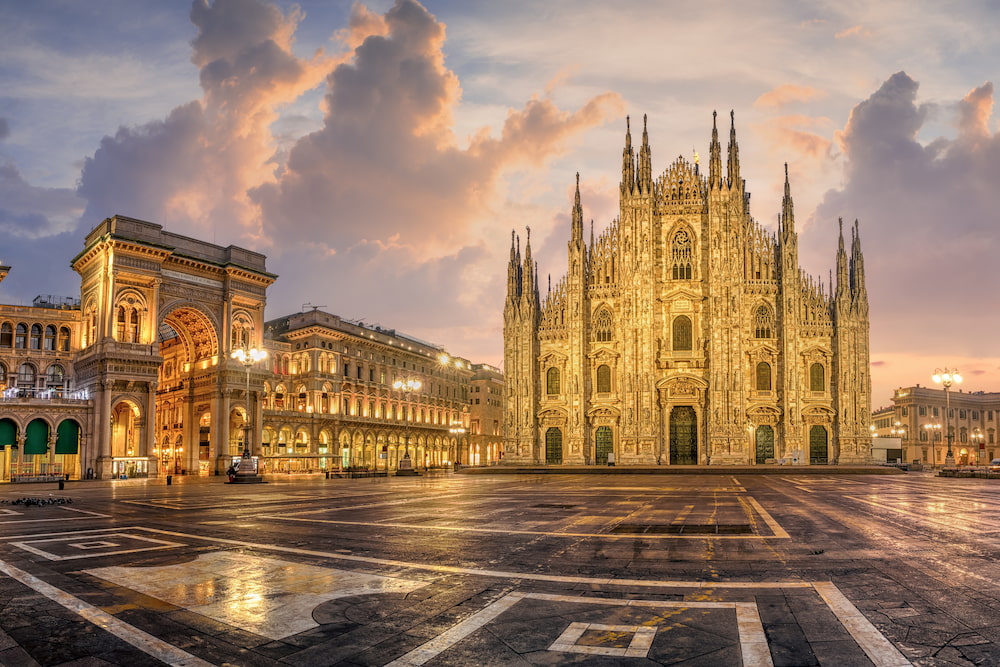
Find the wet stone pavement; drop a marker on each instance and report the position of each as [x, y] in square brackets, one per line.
[450, 569]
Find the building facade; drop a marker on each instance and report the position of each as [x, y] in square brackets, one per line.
[485, 417]
[136, 377]
[920, 419]
[686, 334]
[332, 401]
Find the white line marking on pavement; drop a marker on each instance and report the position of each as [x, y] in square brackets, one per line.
[143, 641]
[453, 569]
[879, 649]
[753, 641]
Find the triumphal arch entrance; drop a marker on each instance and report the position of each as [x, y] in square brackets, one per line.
[162, 314]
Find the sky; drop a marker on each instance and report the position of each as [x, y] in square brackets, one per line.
[381, 153]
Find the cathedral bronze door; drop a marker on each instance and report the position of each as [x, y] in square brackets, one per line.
[605, 444]
[818, 446]
[765, 443]
[683, 436]
[553, 446]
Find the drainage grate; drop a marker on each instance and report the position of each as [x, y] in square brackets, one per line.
[553, 507]
[682, 529]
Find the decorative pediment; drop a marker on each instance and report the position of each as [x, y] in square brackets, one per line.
[680, 381]
[603, 411]
[763, 411]
[552, 414]
[681, 294]
[552, 357]
[603, 353]
[819, 411]
[763, 352]
[816, 354]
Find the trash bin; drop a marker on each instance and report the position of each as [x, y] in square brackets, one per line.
[170, 480]
[62, 484]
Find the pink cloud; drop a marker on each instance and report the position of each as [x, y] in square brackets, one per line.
[786, 94]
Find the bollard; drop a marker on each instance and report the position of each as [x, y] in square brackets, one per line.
[170, 480]
[62, 484]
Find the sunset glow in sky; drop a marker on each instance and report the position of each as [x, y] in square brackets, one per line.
[380, 153]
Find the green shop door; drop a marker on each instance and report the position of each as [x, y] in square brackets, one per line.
[683, 436]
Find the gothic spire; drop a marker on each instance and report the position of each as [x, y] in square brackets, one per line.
[843, 272]
[628, 161]
[734, 154]
[787, 211]
[858, 267]
[576, 235]
[715, 157]
[645, 162]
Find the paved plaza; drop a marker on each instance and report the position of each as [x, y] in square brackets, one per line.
[531, 569]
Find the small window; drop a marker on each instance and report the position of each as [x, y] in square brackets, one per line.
[682, 336]
[817, 377]
[603, 325]
[603, 379]
[36, 336]
[6, 335]
[551, 382]
[21, 339]
[762, 322]
[763, 376]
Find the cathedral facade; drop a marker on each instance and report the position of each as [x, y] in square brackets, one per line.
[686, 334]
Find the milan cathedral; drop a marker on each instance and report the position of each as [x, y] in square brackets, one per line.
[686, 333]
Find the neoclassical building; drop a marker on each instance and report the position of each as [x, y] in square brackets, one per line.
[686, 333]
[136, 377]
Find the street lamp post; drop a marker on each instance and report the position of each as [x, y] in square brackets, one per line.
[405, 465]
[946, 378]
[977, 442]
[458, 432]
[899, 431]
[931, 432]
[246, 473]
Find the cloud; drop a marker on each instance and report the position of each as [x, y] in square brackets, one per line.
[786, 94]
[927, 216]
[192, 170]
[4, 129]
[32, 212]
[853, 31]
[385, 199]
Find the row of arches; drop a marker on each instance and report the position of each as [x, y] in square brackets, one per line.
[681, 327]
[40, 447]
[27, 376]
[22, 336]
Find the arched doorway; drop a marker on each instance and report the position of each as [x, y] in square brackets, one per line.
[764, 443]
[604, 444]
[818, 445]
[683, 436]
[68, 447]
[553, 446]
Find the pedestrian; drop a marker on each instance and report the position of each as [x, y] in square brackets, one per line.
[232, 472]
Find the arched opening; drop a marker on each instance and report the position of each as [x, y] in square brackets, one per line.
[604, 444]
[764, 438]
[553, 446]
[683, 339]
[683, 436]
[818, 445]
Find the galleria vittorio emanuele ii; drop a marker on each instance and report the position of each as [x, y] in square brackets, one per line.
[685, 333]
